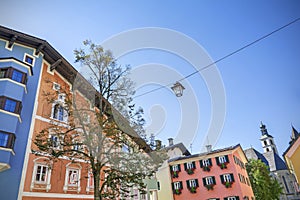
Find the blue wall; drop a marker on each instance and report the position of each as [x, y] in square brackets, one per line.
[10, 179]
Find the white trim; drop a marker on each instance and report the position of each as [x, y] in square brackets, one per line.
[6, 45]
[31, 56]
[19, 63]
[7, 149]
[5, 167]
[53, 121]
[57, 195]
[15, 82]
[47, 183]
[29, 139]
[67, 185]
[13, 114]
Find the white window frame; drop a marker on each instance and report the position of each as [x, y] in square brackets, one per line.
[189, 165]
[175, 168]
[42, 162]
[222, 159]
[32, 57]
[67, 186]
[192, 183]
[227, 178]
[177, 185]
[206, 163]
[209, 180]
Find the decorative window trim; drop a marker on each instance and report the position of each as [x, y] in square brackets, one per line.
[26, 55]
[90, 183]
[38, 185]
[72, 187]
[56, 86]
[58, 111]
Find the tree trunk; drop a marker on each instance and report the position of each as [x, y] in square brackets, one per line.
[97, 194]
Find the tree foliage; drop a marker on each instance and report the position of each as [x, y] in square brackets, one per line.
[264, 186]
[99, 130]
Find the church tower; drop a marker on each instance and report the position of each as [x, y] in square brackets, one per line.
[267, 140]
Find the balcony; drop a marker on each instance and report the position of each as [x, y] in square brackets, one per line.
[7, 141]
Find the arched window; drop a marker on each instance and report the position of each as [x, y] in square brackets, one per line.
[268, 149]
[41, 174]
[59, 111]
[265, 142]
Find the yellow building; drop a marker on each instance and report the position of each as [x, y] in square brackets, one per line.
[292, 156]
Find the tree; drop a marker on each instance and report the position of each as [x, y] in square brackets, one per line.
[101, 117]
[264, 186]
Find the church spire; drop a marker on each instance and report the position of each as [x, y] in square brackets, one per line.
[267, 140]
[295, 134]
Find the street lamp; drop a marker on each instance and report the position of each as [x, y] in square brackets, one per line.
[178, 89]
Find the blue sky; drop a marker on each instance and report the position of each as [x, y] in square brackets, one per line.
[261, 82]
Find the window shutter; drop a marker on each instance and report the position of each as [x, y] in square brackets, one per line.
[188, 184]
[194, 164]
[171, 169]
[232, 178]
[185, 167]
[201, 163]
[2, 100]
[180, 184]
[237, 198]
[217, 160]
[24, 78]
[9, 72]
[210, 163]
[227, 159]
[225, 198]
[214, 179]
[197, 183]
[18, 107]
[179, 169]
[204, 181]
[222, 178]
[173, 188]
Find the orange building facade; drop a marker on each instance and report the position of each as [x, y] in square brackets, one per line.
[214, 175]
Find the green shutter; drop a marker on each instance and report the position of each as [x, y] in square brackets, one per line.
[204, 182]
[185, 167]
[232, 178]
[194, 164]
[187, 184]
[201, 163]
[227, 159]
[222, 178]
[197, 183]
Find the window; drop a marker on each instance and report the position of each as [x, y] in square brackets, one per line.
[72, 178]
[175, 168]
[192, 183]
[28, 59]
[222, 159]
[177, 185]
[265, 142]
[13, 74]
[125, 148]
[56, 86]
[7, 140]
[41, 174]
[59, 112]
[54, 141]
[227, 178]
[209, 180]
[206, 163]
[232, 198]
[10, 105]
[158, 185]
[189, 165]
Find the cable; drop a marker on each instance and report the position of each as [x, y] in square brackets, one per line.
[220, 59]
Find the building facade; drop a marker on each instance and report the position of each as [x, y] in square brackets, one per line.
[30, 68]
[292, 156]
[214, 175]
[277, 166]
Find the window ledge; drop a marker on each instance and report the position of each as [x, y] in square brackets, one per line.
[15, 82]
[13, 114]
[8, 149]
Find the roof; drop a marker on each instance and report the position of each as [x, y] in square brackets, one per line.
[270, 158]
[206, 153]
[181, 146]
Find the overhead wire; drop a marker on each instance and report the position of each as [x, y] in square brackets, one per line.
[222, 58]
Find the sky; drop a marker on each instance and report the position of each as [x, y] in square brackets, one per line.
[259, 83]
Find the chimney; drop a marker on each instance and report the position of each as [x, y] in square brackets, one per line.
[157, 144]
[209, 148]
[171, 143]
